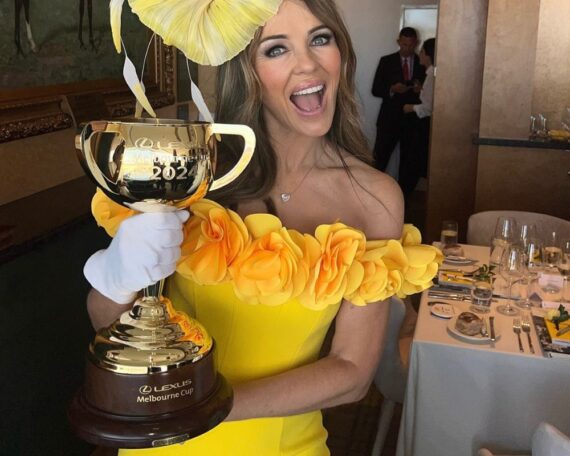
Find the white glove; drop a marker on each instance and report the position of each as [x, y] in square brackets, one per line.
[144, 251]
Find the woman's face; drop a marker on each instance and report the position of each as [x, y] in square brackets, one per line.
[298, 64]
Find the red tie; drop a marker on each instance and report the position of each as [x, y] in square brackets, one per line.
[406, 70]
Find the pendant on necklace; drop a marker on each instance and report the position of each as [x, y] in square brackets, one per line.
[285, 197]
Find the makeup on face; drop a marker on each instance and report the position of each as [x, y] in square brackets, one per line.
[298, 65]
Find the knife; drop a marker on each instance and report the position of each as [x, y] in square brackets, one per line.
[563, 331]
[451, 297]
[460, 291]
[492, 325]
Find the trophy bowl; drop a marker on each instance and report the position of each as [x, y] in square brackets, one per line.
[150, 376]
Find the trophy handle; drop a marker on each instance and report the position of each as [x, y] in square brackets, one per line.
[249, 145]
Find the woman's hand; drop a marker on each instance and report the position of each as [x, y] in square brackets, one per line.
[408, 108]
[144, 251]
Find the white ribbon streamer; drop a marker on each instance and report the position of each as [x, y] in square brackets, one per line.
[198, 99]
[136, 85]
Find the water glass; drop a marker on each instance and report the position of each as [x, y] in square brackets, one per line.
[481, 295]
[449, 229]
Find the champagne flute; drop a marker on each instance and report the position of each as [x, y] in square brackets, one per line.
[511, 269]
[503, 237]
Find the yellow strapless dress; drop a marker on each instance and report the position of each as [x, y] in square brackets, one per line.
[253, 341]
[268, 295]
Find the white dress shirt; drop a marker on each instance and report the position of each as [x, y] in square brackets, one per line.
[426, 96]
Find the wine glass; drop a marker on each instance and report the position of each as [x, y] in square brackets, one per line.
[533, 265]
[526, 231]
[511, 269]
[564, 268]
[504, 236]
[552, 251]
[566, 119]
[542, 127]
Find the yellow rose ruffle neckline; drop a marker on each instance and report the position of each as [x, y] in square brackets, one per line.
[270, 264]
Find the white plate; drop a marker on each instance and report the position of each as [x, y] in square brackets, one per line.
[442, 310]
[478, 338]
[459, 260]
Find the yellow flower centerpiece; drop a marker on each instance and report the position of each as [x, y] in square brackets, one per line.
[269, 264]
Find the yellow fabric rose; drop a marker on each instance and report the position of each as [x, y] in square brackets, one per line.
[329, 276]
[383, 263]
[411, 235]
[109, 214]
[423, 264]
[271, 270]
[213, 239]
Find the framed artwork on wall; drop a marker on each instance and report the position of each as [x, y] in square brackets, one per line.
[57, 55]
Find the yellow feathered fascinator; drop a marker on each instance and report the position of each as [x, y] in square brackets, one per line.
[208, 32]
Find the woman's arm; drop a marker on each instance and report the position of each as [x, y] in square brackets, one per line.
[343, 376]
[103, 311]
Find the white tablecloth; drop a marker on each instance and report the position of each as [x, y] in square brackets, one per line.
[462, 396]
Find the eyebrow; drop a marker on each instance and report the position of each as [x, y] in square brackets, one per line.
[280, 37]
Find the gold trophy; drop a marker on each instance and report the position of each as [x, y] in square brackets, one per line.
[150, 377]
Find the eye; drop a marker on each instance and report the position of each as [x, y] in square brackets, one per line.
[275, 51]
[322, 40]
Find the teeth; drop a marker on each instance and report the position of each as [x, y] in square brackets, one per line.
[310, 90]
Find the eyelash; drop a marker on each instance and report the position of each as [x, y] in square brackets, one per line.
[276, 51]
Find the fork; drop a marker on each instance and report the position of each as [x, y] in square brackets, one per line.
[517, 330]
[526, 329]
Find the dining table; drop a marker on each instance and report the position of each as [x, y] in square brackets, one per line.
[464, 394]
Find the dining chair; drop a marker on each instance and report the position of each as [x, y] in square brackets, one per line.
[549, 441]
[481, 225]
[546, 441]
[392, 372]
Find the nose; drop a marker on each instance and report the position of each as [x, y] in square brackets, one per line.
[306, 61]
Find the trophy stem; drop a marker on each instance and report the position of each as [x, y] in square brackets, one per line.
[154, 290]
[150, 310]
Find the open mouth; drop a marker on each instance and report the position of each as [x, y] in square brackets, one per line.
[310, 99]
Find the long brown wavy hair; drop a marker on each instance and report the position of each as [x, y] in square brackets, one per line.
[239, 101]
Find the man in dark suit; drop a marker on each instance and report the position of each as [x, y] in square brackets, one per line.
[398, 82]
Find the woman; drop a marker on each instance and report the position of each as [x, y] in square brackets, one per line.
[417, 164]
[294, 85]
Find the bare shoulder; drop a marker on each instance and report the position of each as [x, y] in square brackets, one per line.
[381, 200]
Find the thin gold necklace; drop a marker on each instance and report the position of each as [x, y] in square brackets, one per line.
[286, 196]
